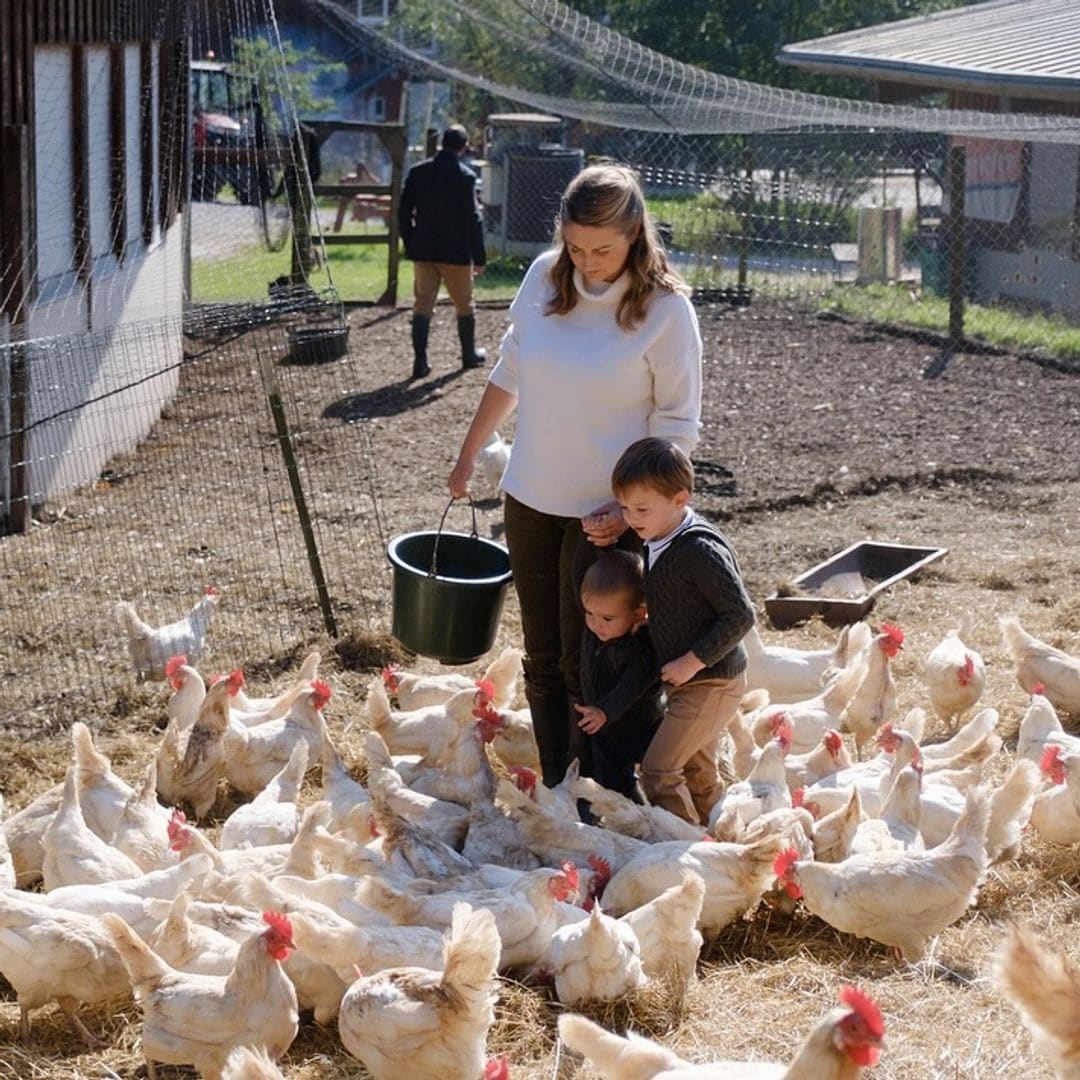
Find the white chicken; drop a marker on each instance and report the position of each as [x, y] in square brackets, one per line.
[787, 674]
[1039, 726]
[844, 1042]
[899, 898]
[273, 816]
[954, 675]
[873, 701]
[835, 830]
[447, 820]
[411, 1021]
[667, 933]
[197, 1019]
[525, 912]
[339, 789]
[102, 798]
[765, 789]
[190, 763]
[309, 669]
[1055, 813]
[897, 826]
[414, 690]
[152, 646]
[597, 959]
[735, 875]
[1044, 985]
[622, 815]
[254, 755]
[141, 833]
[190, 946]
[188, 688]
[491, 461]
[828, 757]
[1041, 665]
[74, 853]
[50, 955]
[427, 730]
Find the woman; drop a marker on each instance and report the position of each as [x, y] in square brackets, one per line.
[603, 349]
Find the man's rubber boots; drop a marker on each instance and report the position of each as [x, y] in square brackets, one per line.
[421, 324]
[471, 356]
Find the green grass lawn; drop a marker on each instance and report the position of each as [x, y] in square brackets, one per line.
[1048, 335]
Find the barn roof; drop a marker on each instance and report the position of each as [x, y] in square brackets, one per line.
[1022, 48]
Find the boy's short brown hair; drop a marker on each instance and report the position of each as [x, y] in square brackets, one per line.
[616, 572]
[656, 464]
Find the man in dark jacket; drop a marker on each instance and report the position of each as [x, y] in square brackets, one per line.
[443, 233]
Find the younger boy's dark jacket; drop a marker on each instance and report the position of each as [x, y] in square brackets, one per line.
[622, 677]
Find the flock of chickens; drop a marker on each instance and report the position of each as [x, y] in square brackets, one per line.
[390, 909]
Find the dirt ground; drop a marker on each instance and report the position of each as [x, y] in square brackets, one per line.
[816, 433]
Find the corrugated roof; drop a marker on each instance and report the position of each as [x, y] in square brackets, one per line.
[1020, 47]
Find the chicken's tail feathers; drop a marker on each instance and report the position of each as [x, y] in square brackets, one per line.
[503, 673]
[471, 950]
[250, 1063]
[968, 834]
[144, 967]
[129, 620]
[613, 1055]
[1044, 985]
[378, 705]
[89, 761]
[1011, 804]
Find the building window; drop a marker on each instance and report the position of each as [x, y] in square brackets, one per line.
[378, 108]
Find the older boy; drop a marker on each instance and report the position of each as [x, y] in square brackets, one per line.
[699, 612]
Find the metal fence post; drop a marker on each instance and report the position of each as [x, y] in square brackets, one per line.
[957, 247]
[281, 427]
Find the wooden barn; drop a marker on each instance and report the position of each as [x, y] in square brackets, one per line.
[93, 123]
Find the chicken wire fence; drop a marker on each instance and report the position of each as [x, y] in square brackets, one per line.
[198, 437]
[257, 477]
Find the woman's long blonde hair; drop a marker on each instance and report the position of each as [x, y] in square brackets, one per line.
[606, 196]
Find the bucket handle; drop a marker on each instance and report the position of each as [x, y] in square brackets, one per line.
[433, 571]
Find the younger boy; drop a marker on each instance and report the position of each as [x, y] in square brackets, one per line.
[698, 614]
[620, 681]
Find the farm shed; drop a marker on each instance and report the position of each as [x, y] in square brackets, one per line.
[93, 116]
[1022, 198]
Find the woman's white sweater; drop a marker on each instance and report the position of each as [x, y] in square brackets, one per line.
[587, 389]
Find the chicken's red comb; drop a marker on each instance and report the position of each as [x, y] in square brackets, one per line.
[174, 664]
[1039, 689]
[1049, 756]
[236, 681]
[485, 711]
[600, 865]
[211, 590]
[859, 1001]
[320, 693]
[797, 796]
[894, 632]
[497, 1068]
[782, 733]
[524, 777]
[783, 862]
[485, 688]
[279, 923]
[570, 872]
[833, 741]
[176, 821]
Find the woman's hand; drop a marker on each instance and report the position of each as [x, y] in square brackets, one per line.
[592, 718]
[604, 525]
[460, 476]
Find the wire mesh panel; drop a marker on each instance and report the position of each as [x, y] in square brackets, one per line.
[205, 498]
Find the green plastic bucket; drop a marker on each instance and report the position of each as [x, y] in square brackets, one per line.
[448, 592]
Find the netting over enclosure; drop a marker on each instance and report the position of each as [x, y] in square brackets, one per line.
[195, 188]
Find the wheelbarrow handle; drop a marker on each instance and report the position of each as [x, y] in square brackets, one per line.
[434, 570]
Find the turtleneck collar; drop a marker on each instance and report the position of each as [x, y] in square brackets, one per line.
[610, 296]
